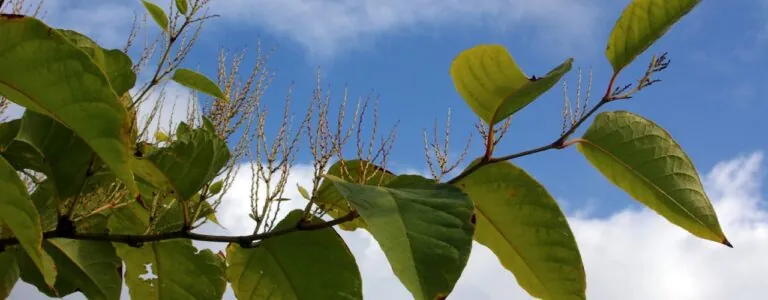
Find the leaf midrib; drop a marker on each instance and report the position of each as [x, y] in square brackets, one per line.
[515, 249]
[643, 178]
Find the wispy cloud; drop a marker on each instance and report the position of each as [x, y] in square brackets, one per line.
[325, 27]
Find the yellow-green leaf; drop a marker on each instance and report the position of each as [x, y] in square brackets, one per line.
[114, 63]
[157, 14]
[523, 225]
[20, 215]
[641, 158]
[304, 193]
[423, 227]
[313, 265]
[160, 136]
[182, 6]
[198, 82]
[42, 70]
[215, 188]
[494, 86]
[640, 25]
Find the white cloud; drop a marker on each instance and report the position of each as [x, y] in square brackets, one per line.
[326, 26]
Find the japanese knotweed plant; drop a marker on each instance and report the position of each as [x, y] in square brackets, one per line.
[88, 199]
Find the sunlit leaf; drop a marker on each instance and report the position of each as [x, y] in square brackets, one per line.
[172, 269]
[523, 225]
[198, 82]
[423, 227]
[301, 265]
[641, 158]
[18, 213]
[640, 25]
[157, 14]
[358, 171]
[42, 70]
[114, 63]
[494, 86]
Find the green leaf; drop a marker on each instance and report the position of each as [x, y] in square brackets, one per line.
[358, 171]
[182, 130]
[304, 193]
[641, 158]
[172, 219]
[423, 227]
[640, 25]
[182, 6]
[42, 70]
[8, 131]
[18, 212]
[9, 273]
[89, 267]
[44, 198]
[114, 63]
[187, 164]
[215, 187]
[53, 149]
[157, 14]
[523, 225]
[301, 265]
[180, 270]
[198, 82]
[494, 86]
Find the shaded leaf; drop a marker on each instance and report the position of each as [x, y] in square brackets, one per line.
[300, 265]
[198, 82]
[157, 14]
[640, 25]
[9, 273]
[494, 86]
[188, 163]
[42, 70]
[523, 225]
[89, 267]
[423, 227]
[47, 146]
[177, 270]
[172, 219]
[641, 158]
[8, 131]
[358, 171]
[18, 213]
[215, 188]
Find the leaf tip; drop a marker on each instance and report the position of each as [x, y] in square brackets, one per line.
[726, 242]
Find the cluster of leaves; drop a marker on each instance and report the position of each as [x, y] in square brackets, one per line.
[95, 210]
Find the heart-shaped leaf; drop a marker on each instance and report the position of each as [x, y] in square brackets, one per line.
[492, 84]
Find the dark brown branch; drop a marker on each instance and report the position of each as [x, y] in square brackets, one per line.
[137, 240]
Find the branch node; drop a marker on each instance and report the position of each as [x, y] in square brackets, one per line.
[134, 243]
[65, 227]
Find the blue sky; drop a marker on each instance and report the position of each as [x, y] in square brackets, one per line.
[709, 100]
